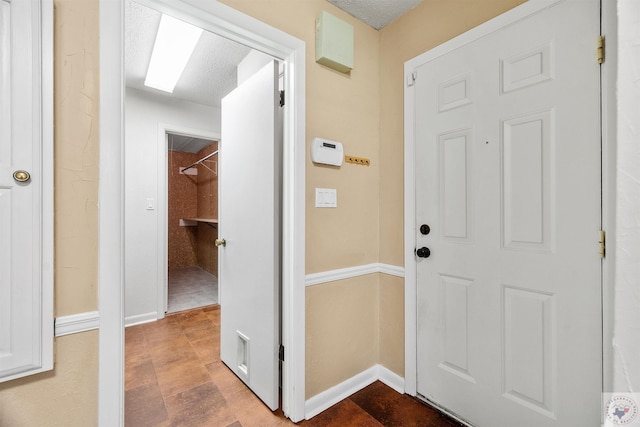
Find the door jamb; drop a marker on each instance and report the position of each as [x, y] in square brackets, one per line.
[237, 26]
[608, 176]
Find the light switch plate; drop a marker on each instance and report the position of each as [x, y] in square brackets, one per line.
[326, 198]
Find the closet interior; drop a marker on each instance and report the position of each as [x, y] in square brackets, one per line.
[192, 222]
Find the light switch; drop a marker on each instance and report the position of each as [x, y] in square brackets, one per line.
[326, 198]
[151, 204]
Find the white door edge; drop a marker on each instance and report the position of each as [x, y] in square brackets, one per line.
[230, 23]
[163, 209]
[609, 116]
[609, 70]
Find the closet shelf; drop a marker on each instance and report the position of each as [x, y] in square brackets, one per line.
[192, 222]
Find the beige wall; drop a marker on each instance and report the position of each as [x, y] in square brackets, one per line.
[349, 310]
[351, 324]
[364, 111]
[343, 108]
[64, 397]
[341, 325]
[76, 100]
[67, 396]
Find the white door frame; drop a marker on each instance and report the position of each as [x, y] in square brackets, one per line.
[608, 176]
[229, 23]
[163, 209]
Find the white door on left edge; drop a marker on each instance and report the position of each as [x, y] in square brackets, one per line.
[249, 223]
[26, 301]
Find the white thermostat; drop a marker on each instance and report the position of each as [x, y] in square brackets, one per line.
[326, 152]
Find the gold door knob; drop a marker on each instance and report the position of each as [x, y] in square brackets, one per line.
[21, 176]
[221, 242]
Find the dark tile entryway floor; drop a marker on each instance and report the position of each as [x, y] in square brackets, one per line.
[174, 377]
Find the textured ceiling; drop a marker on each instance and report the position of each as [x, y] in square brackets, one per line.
[210, 73]
[377, 13]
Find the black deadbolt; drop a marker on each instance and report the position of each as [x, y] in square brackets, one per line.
[423, 252]
[425, 229]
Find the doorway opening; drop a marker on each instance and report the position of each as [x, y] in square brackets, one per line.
[241, 28]
[192, 222]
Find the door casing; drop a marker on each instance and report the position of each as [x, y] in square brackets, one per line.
[229, 23]
[608, 71]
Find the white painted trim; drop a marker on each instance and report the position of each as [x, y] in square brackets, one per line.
[349, 272]
[47, 171]
[162, 205]
[76, 323]
[227, 22]
[323, 401]
[391, 270]
[111, 216]
[390, 378]
[142, 318]
[340, 274]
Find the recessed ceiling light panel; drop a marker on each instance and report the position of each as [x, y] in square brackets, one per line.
[173, 47]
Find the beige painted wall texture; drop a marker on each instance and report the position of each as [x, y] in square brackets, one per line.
[68, 395]
[342, 331]
[64, 397]
[76, 110]
[362, 110]
[344, 108]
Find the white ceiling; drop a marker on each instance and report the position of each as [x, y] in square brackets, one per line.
[209, 75]
[376, 13]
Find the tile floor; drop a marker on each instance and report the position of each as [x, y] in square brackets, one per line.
[191, 287]
[174, 377]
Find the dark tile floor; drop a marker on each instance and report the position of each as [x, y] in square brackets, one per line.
[174, 377]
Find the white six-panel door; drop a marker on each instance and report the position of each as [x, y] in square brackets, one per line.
[249, 222]
[508, 179]
[26, 199]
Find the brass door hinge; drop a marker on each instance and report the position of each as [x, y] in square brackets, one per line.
[600, 50]
[602, 243]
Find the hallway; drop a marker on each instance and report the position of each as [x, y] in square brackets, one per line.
[174, 377]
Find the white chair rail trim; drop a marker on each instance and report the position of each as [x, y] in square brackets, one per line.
[349, 272]
[76, 323]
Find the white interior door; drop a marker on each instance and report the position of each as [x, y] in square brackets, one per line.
[508, 180]
[26, 202]
[249, 222]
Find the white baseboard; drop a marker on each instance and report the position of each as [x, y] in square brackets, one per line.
[140, 318]
[335, 394]
[391, 379]
[75, 323]
[349, 272]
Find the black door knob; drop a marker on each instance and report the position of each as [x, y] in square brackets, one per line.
[423, 252]
[425, 229]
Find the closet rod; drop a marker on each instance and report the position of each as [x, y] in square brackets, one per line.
[199, 161]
